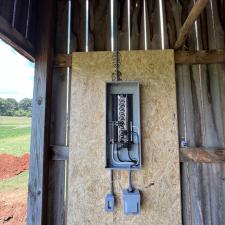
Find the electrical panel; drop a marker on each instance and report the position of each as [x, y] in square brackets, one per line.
[123, 128]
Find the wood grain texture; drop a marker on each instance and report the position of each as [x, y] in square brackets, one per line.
[202, 155]
[159, 179]
[200, 57]
[16, 39]
[63, 60]
[57, 167]
[189, 22]
[180, 57]
[201, 122]
[38, 170]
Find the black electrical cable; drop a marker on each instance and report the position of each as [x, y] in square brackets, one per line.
[117, 152]
[133, 160]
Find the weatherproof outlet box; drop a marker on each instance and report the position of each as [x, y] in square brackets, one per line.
[131, 202]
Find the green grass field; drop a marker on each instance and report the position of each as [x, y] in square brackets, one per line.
[15, 135]
[15, 140]
[18, 182]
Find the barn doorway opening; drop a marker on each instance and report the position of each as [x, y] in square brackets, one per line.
[16, 91]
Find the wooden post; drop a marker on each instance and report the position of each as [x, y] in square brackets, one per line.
[38, 176]
[57, 168]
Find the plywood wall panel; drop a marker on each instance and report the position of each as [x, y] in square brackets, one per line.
[159, 179]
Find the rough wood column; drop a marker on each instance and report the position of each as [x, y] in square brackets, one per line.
[57, 170]
[38, 176]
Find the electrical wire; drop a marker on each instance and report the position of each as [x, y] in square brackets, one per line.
[119, 162]
[111, 181]
[117, 152]
[133, 160]
[130, 188]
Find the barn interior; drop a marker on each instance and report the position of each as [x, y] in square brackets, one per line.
[175, 51]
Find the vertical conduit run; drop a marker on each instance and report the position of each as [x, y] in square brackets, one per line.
[197, 38]
[184, 136]
[161, 18]
[28, 19]
[145, 25]
[129, 24]
[112, 37]
[14, 13]
[68, 75]
[87, 25]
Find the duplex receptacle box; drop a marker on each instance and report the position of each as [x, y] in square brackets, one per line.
[109, 203]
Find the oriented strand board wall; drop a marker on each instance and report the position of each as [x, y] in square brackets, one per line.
[159, 179]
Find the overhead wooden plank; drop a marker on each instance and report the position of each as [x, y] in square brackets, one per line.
[197, 155]
[63, 60]
[200, 57]
[7, 9]
[193, 15]
[202, 155]
[181, 57]
[38, 174]
[16, 39]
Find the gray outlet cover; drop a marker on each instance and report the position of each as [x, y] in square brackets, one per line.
[109, 203]
[131, 202]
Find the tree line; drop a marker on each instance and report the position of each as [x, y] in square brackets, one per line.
[10, 107]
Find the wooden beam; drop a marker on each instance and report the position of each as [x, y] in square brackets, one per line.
[198, 155]
[193, 15]
[202, 155]
[63, 60]
[181, 57]
[59, 152]
[16, 40]
[199, 57]
[41, 106]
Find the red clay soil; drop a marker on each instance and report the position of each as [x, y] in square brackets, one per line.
[12, 214]
[11, 165]
[13, 205]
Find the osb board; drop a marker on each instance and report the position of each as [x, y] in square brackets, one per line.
[159, 179]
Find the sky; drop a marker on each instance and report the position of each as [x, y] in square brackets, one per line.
[16, 74]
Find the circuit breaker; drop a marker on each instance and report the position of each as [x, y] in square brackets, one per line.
[123, 128]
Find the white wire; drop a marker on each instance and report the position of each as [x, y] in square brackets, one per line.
[112, 24]
[129, 24]
[87, 25]
[145, 26]
[161, 23]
